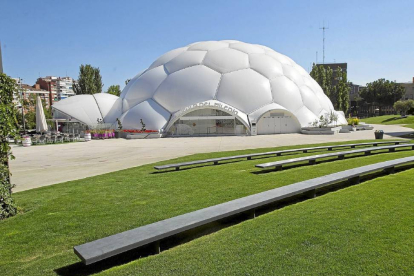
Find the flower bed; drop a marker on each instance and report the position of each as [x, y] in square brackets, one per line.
[139, 131]
[101, 133]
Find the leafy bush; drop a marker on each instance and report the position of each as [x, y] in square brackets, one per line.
[353, 121]
[8, 127]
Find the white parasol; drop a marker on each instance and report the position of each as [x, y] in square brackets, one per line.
[41, 125]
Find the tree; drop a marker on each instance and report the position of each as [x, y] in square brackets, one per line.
[382, 93]
[403, 106]
[8, 127]
[341, 90]
[114, 90]
[89, 80]
[338, 93]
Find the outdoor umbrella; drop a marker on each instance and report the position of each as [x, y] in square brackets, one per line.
[41, 125]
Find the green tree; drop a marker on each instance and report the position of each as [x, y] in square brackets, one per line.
[8, 127]
[89, 80]
[382, 93]
[114, 90]
[324, 78]
[403, 106]
[341, 91]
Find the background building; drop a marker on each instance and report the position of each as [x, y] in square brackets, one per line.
[59, 87]
[31, 92]
[409, 90]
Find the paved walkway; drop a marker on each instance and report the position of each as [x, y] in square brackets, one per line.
[50, 164]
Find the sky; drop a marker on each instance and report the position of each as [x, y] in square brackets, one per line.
[122, 38]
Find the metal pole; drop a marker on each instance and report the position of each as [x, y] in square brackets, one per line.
[21, 93]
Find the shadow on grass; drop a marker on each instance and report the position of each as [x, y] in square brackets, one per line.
[399, 134]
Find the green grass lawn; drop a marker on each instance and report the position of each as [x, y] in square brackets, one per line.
[390, 120]
[362, 230]
[40, 240]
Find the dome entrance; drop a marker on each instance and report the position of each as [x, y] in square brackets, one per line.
[207, 122]
[278, 121]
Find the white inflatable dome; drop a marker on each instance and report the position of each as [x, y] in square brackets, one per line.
[248, 81]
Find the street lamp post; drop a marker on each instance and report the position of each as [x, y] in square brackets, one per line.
[21, 96]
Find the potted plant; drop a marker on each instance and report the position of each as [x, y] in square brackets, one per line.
[26, 141]
[379, 134]
[87, 135]
[119, 129]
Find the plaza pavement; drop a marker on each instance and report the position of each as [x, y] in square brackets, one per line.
[50, 164]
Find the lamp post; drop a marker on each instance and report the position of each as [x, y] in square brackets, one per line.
[21, 95]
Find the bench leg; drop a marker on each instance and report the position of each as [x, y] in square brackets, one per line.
[392, 150]
[397, 143]
[367, 152]
[278, 168]
[329, 149]
[412, 147]
[215, 162]
[375, 145]
[279, 154]
[354, 180]
[312, 162]
[340, 157]
[252, 213]
[249, 158]
[305, 151]
[389, 170]
[157, 247]
[177, 168]
[352, 147]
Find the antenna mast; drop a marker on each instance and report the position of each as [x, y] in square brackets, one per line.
[323, 30]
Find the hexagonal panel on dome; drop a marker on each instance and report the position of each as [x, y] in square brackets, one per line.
[226, 60]
[188, 86]
[290, 72]
[144, 87]
[208, 46]
[310, 100]
[300, 70]
[167, 57]
[152, 114]
[184, 60]
[247, 48]
[265, 65]
[279, 57]
[305, 116]
[286, 93]
[230, 41]
[246, 90]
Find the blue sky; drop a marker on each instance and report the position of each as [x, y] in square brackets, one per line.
[375, 38]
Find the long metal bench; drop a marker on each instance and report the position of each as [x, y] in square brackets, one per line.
[153, 233]
[341, 155]
[216, 161]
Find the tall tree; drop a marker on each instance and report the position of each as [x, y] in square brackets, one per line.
[89, 80]
[324, 78]
[341, 90]
[382, 93]
[8, 127]
[114, 90]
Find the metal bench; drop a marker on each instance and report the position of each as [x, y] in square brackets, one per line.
[341, 155]
[215, 161]
[153, 233]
